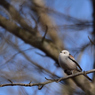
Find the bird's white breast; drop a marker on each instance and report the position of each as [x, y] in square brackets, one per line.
[66, 63]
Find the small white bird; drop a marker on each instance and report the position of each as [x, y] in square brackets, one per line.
[67, 62]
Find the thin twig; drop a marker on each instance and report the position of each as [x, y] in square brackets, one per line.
[45, 34]
[87, 76]
[10, 81]
[30, 82]
[40, 85]
[91, 41]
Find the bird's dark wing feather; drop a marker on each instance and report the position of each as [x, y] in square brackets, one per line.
[76, 63]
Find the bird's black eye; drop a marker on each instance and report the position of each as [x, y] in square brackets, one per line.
[64, 52]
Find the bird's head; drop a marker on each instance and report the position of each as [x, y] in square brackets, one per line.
[65, 53]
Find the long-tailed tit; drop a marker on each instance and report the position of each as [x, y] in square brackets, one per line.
[67, 62]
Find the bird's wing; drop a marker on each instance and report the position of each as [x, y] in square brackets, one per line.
[72, 58]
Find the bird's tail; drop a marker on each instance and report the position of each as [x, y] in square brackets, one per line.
[84, 74]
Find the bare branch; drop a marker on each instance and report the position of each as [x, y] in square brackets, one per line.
[91, 41]
[16, 16]
[35, 40]
[45, 34]
[10, 81]
[87, 76]
[40, 85]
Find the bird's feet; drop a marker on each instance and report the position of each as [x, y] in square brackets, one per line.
[68, 72]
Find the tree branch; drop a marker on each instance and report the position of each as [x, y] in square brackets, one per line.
[91, 41]
[16, 16]
[45, 34]
[33, 39]
[40, 85]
